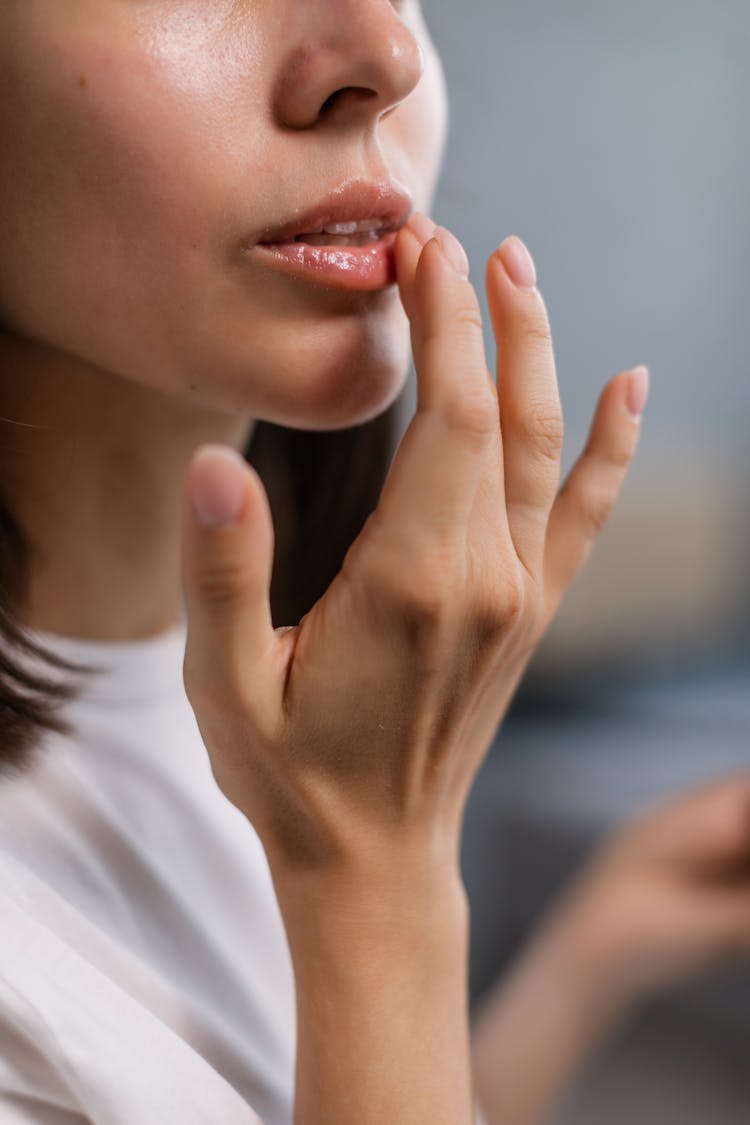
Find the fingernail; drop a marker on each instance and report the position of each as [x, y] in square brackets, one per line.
[217, 485]
[453, 251]
[518, 262]
[422, 227]
[638, 388]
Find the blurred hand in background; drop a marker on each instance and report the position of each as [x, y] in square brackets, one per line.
[665, 897]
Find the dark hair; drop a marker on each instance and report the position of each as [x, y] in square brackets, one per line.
[321, 487]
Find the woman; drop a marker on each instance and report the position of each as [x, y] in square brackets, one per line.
[240, 898]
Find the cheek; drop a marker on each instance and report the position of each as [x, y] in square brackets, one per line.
[120, 197]
[111, 196]
[419, 130]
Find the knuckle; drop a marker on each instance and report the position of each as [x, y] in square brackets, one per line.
[467, 318]
[513, 600]
[495, 615]
[491, 622]
[423, 595]
[442, 624]
[542, 427]
[473, 413]
[535, 332]
[620, 455]
[466, 313]
[428, 597]
[221, 586]
[595, 509]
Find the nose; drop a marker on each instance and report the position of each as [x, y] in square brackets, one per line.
[351, 62]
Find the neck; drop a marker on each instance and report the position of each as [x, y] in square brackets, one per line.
[91, 469]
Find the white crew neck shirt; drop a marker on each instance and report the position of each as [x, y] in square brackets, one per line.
[144, 969]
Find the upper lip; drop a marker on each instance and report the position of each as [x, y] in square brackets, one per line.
[356, 200]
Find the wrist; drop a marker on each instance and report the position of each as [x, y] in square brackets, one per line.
[380, 956]
[391, 897]
[577, 949]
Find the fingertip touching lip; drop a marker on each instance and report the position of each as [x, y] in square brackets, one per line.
[387, 205]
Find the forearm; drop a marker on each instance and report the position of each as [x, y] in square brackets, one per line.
[380, 966]
[536, 1030]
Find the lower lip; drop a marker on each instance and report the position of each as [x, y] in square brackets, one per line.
[360, 268]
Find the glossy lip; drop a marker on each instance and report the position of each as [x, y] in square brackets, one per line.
[367, 267]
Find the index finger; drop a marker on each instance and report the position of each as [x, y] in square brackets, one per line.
[435, 474]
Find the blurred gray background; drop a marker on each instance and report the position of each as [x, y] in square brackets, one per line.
[611, 137]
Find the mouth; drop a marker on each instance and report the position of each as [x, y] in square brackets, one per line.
[346, 241]
[358, 232]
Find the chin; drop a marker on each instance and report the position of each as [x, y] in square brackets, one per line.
[330, 378]
[347, 395]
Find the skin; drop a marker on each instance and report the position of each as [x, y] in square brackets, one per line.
[664, 899]
[351, 740]
[156, 137]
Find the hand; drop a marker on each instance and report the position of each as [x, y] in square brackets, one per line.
[363, 726]
[667, 896]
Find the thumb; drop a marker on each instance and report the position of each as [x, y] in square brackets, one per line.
[227, 557]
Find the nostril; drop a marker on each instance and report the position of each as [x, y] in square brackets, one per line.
[329, 102]
[360, 93]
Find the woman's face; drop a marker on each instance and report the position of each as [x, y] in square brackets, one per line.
[147, 146]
